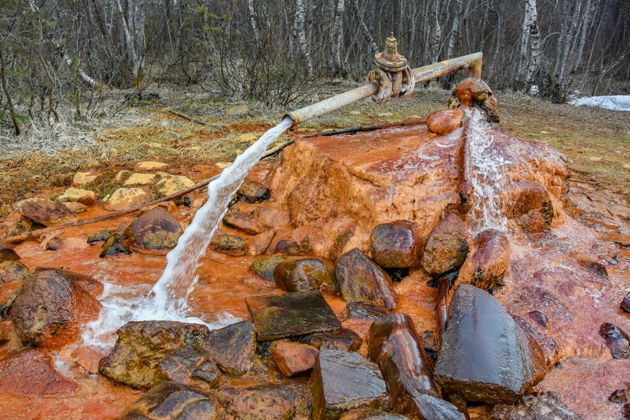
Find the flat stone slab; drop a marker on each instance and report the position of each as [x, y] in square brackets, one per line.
[291, 315]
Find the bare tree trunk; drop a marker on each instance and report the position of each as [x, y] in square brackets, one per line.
[299, 33]
[459, 8]
[435, 31]
[589, 12]
[5, 89]
[252, 20]
[530, 25]
[337, 38]
[364, 28]
[133, 30]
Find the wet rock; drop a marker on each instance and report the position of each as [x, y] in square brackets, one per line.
[616, 340]
[258, 244]
[396, 347]
[76, 208]
[292, 248]
[125, 198]
[31, 372]
[548, 345]
[447, 246]
[243, 223]
[84, 178]
[171, 401]
[343, 339]
[342, 381]
[172, 184]
[445, 121]
[140, 179]
[272, 218]
[396, 244]
[270, 401]
[44, 212]
[54, 243]
[531, 205]
[231, 348]
[52, 307]
[301, 274]
[140, 348]
[8, 254]
[293, 358]
[397, 274]
[253, 192]
[114, 245]
[266, 266]
[229, 244]
[361, 280]
[185, 363]
[538, 406]
[485, 355]
[489, 262]
[99, 236]
[362, 310]
[538, 317]
[12, 275]
[625, 304]
[291, 315]
[620, 396]
[370, 414]
[155, 230]
[78, 195]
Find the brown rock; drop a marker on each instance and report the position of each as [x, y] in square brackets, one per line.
[396, 244]
[243, 223]
[52, 307]
[293, 358]
[231, 348]
[342, 381]
[155, 230]
[485, 356]
[76, 208]
[343, 339]
[270, 401]
[488, 264]
[253, 192]
[266, 266]
[294, 248]
[140, 348]
[229, 244]
[8, 254]
[445, 121]
[12, 275]
[291, 315]
[272, 218]
[447, 246]
[625, 304]
[361, 280]
[258, 244]
[397, 348]
[537, 406]
[531, 205]
[186, 363]
[31, 372]
[45, 212]
[617, 340]
[370, 414]
[302, 274]
[173, 401]
[362, 310]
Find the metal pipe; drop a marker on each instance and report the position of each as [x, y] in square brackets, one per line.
[472, 62]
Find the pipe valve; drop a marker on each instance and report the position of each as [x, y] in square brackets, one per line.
[392, 75]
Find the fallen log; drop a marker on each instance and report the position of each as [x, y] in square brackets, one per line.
[189, 118]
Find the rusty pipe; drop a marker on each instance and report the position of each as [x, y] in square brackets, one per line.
[472, 62]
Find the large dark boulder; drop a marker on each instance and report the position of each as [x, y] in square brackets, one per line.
[447, 246]
[488, 264]
[231, 348]
[342, 381]
[301, 274]
[52, 307]
[155, 230]
[361, 280]
[173, 401]
[485, 355]
[187, 365]
[142, 345]
[271, 401]
[396, 347]
[396, 244]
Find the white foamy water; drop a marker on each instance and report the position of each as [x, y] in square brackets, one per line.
[168, 299]
[484, 170]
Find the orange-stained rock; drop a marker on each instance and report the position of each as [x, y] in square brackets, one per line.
[396, 244]
[45, 212]
[252, 192]
[9, 341]
[301, 274]
[12, 274]
[488, 264]
[473, 92]
[447, 247]
[31, 372]
[7, 254]
[293, 358]
[258, 244]
[531, 205]
[242, 222]
[445, 121]
[154, 231]
[272, 218]
[52, 307]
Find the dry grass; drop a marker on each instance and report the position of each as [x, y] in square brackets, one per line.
[597, 142]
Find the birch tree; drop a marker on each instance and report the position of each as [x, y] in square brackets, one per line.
[299, 33]
[337, 37]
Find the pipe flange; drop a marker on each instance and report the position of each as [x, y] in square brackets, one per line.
[392, 75]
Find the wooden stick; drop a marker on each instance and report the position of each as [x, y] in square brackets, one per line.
[189, 118]
[364, 128]
[39, 232]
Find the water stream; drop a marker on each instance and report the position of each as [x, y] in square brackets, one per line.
[168, 299]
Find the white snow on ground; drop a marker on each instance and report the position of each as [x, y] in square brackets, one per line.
[615, 102]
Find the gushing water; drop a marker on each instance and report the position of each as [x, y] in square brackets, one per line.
[484, 171]
[168, 299]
